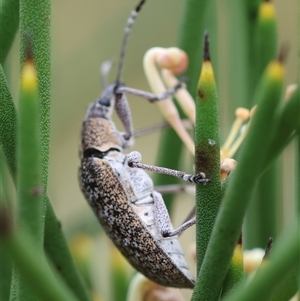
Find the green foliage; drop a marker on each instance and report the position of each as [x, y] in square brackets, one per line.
[8, 120]
[33, 136]
[9, 22]
[221, 206]
[266, 195]
[207, 155]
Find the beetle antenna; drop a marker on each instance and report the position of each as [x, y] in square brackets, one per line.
[127, 30]
[104, 71]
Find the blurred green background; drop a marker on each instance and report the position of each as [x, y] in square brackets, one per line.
[84, 34]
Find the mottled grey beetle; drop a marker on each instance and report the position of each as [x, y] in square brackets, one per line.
[120, 192]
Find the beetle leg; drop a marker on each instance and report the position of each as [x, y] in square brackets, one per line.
[172, 188]
[134, 158]
[182, 228]
[161, 215]
[123, 111]
[150, 96]
[162, 218]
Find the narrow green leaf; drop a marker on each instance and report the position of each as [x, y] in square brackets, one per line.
[9, 23]
[297, 200]
[29, 180]
[259, 226]
[55, 243]
[224, 184]
[235, 275]
[30, 207]
[119, 279]
[207, 155]
[287, 288]
[6, 264]
[287, 122]
[229, 221]
[241, 20]
[40, 278]
[197, 17]
[35, 21]
[14, 288]
[283, 260]
[8, 120]
[57, 249]
[265, 43]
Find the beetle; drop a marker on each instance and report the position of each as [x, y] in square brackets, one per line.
[121, 194]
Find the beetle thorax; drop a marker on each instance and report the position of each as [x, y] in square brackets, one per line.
[100, 134]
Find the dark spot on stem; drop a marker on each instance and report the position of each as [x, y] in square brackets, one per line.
[36, 191]
[284, 49]
[200, 94]
[252, 15]
[205, 158]
[27, 37]
[202, 161]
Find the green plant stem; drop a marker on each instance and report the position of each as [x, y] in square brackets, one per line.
[259, 226]
[8, 120]
[30, 207]
[5, 262]
[288, 287]
[287, 122]
[55, 243]
[198, 16]
[233, 207]
[235, 275]
[9, 22]
[297, 205]
[251, 16]
[35, 21]
[284, 259]
[30, 189]
[42, 281]
[262, 214]
[265, 43]
[56, 247]
[207, 156]
[297, 180]
[119, 279]
[224, 184]
[240, 26]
